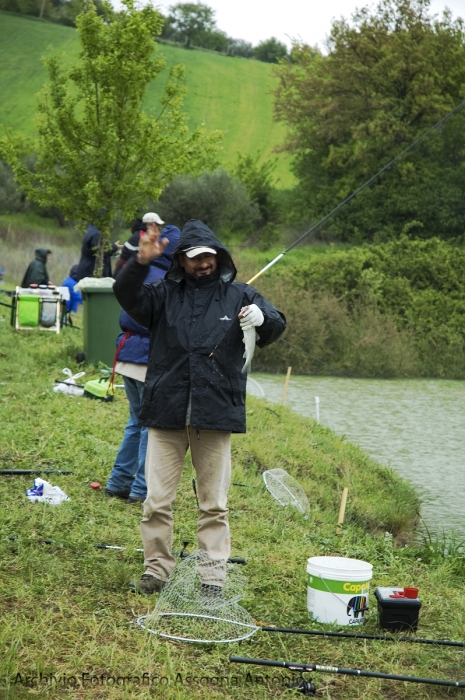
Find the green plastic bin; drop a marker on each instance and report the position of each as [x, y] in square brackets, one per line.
[100, 312]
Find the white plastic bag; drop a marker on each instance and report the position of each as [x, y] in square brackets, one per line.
[66, 387]
[44, 492]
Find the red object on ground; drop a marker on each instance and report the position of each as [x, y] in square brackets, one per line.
[95, 485]
[411, 592]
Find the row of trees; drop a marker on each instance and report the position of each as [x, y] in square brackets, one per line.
[60, 11]
[389, 76]
[191, 24]
[194, 24]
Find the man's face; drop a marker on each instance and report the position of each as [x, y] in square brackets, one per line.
[200, 266]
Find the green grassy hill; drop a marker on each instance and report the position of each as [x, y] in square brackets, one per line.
[231, 94]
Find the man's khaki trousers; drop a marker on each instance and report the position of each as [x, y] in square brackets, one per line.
[211, 457]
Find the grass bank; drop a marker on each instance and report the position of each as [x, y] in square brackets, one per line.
[66, 609]
[230, 94]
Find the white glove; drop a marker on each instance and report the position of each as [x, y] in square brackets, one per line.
[251, 316]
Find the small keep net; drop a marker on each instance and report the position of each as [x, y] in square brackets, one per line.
[192, 607]
[286, 490]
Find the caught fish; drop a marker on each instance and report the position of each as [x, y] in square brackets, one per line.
[249, 342]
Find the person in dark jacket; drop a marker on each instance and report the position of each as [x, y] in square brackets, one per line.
[195, 390]
[127, 478]
[75, 296]
[89, 252]
[131, 247]
[36, 272]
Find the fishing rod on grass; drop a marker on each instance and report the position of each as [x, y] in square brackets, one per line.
[361, 188]
[353, 635]
[22, 472]
[182, 554]
[232, 560]
[308, 688]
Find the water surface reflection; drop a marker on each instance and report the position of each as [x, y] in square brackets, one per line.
[415, 426]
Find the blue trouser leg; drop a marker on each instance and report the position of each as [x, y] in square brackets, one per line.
[139, 487]
[128, 471]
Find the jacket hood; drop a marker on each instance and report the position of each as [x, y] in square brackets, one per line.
[136, 226]
[41, 254]
[196, 233]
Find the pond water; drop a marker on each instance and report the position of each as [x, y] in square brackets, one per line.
[415, 426]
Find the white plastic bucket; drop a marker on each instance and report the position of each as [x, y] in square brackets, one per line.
[337, 589]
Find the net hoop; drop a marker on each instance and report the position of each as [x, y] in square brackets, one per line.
[269, 477]
[141, 622]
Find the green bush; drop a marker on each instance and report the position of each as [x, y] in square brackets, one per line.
[214, 197]
[270, 51]
[11, 198]
[396, 309]
[324, 336]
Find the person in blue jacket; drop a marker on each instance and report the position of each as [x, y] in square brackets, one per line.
[75, 296]
[127, 478]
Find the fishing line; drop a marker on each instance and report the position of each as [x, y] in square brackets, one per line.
[362, 187]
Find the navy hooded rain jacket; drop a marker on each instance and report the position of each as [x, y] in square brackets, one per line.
[196, 348]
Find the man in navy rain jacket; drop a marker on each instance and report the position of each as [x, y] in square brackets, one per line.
[195, 390]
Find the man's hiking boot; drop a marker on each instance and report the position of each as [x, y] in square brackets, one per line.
[207, 590]
[147, 584]
[135, 499]
[117, 494]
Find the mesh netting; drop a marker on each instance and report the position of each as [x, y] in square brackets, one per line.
[193, 607]
[286, 490]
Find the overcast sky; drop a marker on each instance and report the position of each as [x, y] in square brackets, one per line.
[309, 20]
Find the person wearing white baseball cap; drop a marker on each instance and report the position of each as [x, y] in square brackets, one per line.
[194, 394]
[131, 246]
[152, 218]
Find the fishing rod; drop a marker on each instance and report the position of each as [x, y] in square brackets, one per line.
[21, 472]
[352, 635]
[232, 560]
[306, 687]
[181, 554]
[359, 189]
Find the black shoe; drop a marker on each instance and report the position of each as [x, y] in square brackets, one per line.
[208, 590]
[147, 584]
[134, 499]
[117, 494]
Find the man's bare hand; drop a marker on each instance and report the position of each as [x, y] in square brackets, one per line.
[150, 245]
